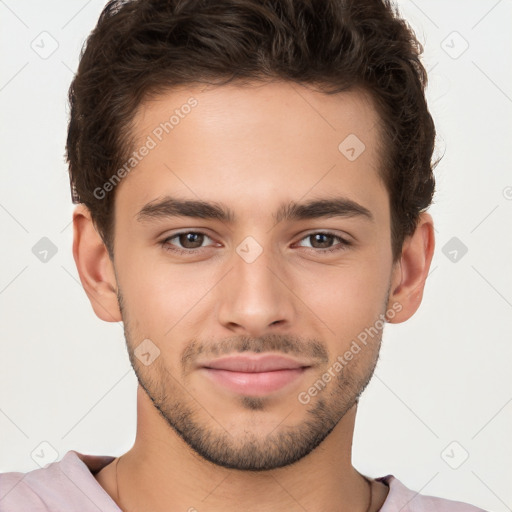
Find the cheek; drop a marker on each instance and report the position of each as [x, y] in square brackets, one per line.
[344, 299]
[163, 296]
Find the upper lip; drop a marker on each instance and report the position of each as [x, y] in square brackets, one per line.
[254, 364]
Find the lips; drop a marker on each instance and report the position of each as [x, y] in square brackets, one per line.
[251, 364]
[254, 375]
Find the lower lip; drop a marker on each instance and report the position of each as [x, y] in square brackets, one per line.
[257, 383]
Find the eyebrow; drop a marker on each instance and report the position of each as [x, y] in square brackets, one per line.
[319, 208]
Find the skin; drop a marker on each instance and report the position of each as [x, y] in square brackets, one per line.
[251, 149]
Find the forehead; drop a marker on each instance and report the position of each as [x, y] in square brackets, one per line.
[255, 145]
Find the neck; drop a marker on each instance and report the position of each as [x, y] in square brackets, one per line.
[160, 473]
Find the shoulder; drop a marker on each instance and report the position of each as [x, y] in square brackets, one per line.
[406, 500]
[63, 485]
[16, 493]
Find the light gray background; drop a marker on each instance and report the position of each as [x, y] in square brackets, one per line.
[443, 376]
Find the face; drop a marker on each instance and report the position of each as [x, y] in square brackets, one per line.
[288, 254]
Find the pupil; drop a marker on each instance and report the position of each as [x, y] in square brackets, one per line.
[322, 235]
[191, 238]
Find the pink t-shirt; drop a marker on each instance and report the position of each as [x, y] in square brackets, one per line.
[68, 485]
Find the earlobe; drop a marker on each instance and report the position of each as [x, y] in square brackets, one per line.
[94, 266]
[410, 273]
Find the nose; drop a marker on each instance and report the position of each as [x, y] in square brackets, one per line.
[255, 297]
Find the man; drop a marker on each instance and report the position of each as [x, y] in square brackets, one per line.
[252, 179]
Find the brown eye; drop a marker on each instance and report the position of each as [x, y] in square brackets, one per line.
[321, 242]
[189, 242]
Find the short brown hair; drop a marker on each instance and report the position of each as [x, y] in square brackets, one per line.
[143, 47]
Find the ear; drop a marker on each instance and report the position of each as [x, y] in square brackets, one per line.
[94, 266]
[410, 272]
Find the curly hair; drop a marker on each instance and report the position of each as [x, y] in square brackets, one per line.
[144, 47]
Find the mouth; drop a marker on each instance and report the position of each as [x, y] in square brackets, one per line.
[254, 375]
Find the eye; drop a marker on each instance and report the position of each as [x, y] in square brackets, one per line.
[324, 239]
[191, 242]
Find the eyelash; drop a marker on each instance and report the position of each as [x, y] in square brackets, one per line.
[167, 246]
